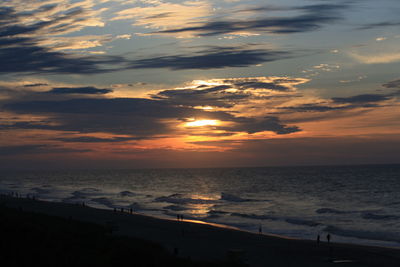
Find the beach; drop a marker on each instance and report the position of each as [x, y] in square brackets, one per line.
[205, 242]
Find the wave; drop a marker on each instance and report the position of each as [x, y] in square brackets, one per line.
[372, 216]
[176, 208]
[334, 211]
[126, 194]
[103, 200]
[217, 212]
[364, 234]
[39, 190]
[302, 222]
[296, 221]
[83, 193]
[232, 198]
[255, 216]
[180, 199]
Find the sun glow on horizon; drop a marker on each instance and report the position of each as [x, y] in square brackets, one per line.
[199, 123]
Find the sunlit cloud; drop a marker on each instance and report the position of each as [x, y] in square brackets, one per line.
[308, 18]
[376, 58]
[164, 15]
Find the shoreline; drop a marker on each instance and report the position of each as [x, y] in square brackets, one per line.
[204, 241]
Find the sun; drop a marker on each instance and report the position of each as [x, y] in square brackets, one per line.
[199, 123]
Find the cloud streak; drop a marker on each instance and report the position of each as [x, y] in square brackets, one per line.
[312, 17]
[212, 58]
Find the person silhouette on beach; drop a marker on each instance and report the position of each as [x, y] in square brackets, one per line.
[318, 239]
[328, 237]
[260, 229]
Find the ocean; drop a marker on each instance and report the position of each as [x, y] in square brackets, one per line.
[355, 204]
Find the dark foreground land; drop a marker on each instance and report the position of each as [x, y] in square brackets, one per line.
[32, 239]
[38, 233]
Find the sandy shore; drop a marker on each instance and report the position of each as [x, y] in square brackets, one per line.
[210, 242]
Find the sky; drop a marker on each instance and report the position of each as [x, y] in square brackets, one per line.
[223, 83]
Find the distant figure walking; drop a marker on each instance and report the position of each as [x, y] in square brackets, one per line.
[130, 210]
[260, 229]
[328, 237]
[318, 239]
[177, 217]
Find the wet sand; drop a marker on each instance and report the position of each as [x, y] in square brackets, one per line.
[200, 241]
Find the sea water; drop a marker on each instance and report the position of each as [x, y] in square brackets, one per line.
[355, 204]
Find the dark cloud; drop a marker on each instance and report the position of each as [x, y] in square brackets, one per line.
[89, 90]
[262, 85]
[31, 58]
[312, 18]
[343, 103]
[214, 96]
[379, 25]
[21, 150]
[111, 106]
[21, 49]
[313, 108]
[91, 139]
[215, 57]
[35, 84]
[392, 84]
[129, 116]
[229, 93]
[253, 125]
[359, 99]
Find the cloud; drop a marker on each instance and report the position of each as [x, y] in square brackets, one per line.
[30, 37]
[34, 59]
[379, 25]
[359, 99]
[35, 84]
[312, 17]
[392, 84]
[228, 92]
[91, 139]
[214, 57]
[21, 150]
[164, 15]
[377, 58]
[160, 115]
[89, 90]
[342, 103]
[253, 125]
